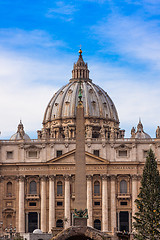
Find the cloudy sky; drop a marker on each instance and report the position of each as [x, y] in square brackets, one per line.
[39, 42]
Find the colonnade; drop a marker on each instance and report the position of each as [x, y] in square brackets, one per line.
[67, 207]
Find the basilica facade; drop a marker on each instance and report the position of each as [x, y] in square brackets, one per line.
[37, 176]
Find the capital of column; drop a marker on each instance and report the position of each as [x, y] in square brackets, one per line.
[104, 176]
[134, 177]
[51, 177]
[113, 177]
[67, 177]
[21, 178]
[89, 177]
[43, 178]
[139, 177]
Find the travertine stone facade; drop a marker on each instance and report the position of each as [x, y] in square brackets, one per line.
[37, 177]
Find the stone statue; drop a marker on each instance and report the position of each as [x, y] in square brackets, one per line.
[66, 131]
[102, 132]
[133, 130]
[158, 132]
[89, 132]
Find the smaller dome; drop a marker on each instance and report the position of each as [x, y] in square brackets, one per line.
[140, 134]
[20, 134]
[37, 231]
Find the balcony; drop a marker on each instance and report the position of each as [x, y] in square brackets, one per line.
[123, 195]
[32, 197]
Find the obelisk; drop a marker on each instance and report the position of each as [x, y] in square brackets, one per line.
[80, 213]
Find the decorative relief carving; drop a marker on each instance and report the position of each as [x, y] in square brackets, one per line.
[123, 167]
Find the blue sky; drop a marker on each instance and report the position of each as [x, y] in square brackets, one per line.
[39, 42]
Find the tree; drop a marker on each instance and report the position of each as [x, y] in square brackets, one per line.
[147, 217]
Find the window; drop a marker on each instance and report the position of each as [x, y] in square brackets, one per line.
[32, 204]
[9, 189]
[59, 153]
[96, 188]
[145, 153]
[59, 223]
[59, 204]
[9, 154]
[9, 220]
[123, 203]
[97, 224]
[122, 153]
[33, 188]
[96, 203]
[96, 153]
[32, 154]
[59, 188]
[123, 186]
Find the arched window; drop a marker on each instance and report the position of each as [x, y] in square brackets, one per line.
[59, 188]
[59, 223]
[96, 188]
[123, 186]
[97, 224]
[9, 189]
[33, 187]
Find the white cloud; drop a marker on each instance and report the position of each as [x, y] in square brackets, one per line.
[62, 10]
[26, 86]
[131, 37]
[27, 39]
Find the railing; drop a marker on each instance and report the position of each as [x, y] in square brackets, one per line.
[32, 196]
[123, 195]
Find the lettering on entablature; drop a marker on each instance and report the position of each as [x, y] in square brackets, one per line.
[62, 168]
[95, 168]
[122, 167]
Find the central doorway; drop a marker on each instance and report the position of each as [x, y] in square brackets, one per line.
[32, 221]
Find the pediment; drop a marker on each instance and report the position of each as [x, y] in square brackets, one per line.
[69, 158]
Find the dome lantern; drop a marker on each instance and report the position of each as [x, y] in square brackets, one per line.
[80, 69]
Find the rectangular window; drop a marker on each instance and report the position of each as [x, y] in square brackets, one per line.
[122, 153]
[96, 203]
[59, 153]
[96, 153]
[124, 203]
[32, 154]
[9, 154]
[32, 204]
[145, 153]
[59, 204]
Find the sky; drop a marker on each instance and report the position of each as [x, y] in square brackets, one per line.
[39, 42]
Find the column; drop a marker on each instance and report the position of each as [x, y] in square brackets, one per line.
[43, 204]
[113, 203]
[21, 205]
[89, 201]
[67, 203]
[38, 220]
[104, 204]
[134, 194]
[27, 222]
[51, 202]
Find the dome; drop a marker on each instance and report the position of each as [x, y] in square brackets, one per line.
[37, 231]
[20, 134]
[96, 102]
[99, 110]
[140, 134]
